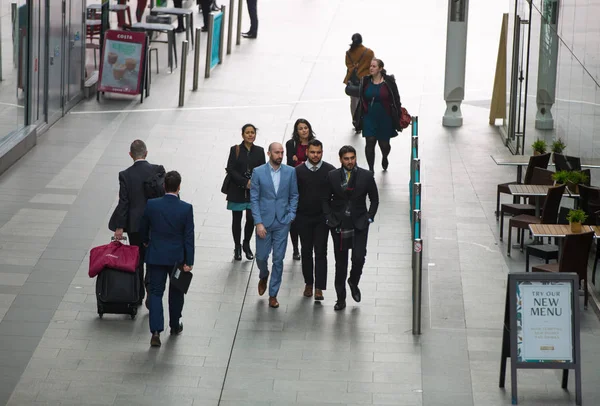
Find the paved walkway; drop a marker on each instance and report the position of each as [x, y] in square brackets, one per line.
[235, 350]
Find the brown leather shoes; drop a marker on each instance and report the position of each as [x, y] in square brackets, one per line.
[319, 294]
[308, 290]
[273, 302]
[262, 286]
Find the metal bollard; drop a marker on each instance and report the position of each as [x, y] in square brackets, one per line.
[197, 59]
[416, 170]
[414, 147]
[222, 35]
[415, 126]
[417, 283]
[238, 40]
[184, 52]
[211, 24]
[230, 27]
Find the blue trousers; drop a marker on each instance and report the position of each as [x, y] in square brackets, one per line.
[157, 281]
[276, 240]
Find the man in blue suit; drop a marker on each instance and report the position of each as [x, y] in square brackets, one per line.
[167, 228]
[273, 200]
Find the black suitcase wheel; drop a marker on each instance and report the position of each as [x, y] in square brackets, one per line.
[133, 313]
[100, 315]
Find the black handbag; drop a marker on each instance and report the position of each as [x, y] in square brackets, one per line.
[352, 87]
[227, 180]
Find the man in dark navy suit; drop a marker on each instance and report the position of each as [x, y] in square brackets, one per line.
[132, 202]
[167, 229]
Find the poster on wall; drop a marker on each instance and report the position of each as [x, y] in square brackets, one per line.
[122, 65]
[544, 322]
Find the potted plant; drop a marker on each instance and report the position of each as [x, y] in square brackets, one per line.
[558, 146]
[561, 177]
[575, 218]
[539, 147]
[575, 178]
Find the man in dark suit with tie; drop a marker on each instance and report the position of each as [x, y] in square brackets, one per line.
[167, 229]
[132, 202]
[348, 217]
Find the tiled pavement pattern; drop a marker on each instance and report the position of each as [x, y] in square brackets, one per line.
[56, 201]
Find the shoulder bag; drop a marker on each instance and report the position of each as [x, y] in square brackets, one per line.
[227, 180]
[352, 87]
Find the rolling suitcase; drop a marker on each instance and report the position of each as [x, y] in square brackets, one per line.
[117, 292]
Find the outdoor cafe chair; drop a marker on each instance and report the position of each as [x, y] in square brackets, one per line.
[535, 161]
[549, 215]
[575, 254]
[540, 177]
[571, 163]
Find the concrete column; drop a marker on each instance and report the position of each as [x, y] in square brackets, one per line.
[546, 85]
[456, 55]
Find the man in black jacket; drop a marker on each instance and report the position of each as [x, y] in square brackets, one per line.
[312, 181]
[345, 208]
[132, 201]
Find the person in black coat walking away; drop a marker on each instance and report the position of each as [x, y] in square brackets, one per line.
[378, 112]
[347, 215]
[243, 158]
[313, 231]
[132, 202]
[296, 153]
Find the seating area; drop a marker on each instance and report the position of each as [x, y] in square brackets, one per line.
[545, 199]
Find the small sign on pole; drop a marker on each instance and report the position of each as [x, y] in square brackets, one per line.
[541, 326]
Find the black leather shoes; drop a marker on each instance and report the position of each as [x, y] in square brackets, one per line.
[340, 305]
[355, 291]
[155, 340]
[247, 250]
[179, 30]
[249, 35]
[296, 255]
[237, 252]
[385, 163]
[178, 330]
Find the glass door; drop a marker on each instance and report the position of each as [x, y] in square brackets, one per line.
[518, 76]
[55, 23]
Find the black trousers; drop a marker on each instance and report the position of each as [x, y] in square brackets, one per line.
[206, 5]
[179, 4]
[294, 234]
[136, 239]
[252, 11]
[314, 234]
[358, 245]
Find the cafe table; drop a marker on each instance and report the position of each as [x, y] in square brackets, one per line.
[535, 191]
[523, 160]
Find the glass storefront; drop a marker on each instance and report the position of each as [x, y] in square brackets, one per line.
[553, 64]
[14, 66]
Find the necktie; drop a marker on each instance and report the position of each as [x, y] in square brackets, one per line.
[314, 168]
[347, 176]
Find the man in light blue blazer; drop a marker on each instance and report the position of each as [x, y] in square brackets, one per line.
[273, 200]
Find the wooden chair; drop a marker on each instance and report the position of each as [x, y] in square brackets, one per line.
[535, 161]
[540, 177]
[576, 251]
[549, 215]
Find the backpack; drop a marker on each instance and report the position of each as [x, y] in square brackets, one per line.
[154, 186]
[354, 79]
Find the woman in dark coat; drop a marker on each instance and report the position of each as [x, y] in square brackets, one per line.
[243, 158]
[295, 150]
[378, 112]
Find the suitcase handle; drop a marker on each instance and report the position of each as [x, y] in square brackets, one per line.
[113, 239]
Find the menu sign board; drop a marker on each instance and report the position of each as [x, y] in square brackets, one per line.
[544, 317]
[122, 65]
[541, 327]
